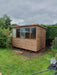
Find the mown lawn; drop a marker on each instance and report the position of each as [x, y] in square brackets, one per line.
[13, 64]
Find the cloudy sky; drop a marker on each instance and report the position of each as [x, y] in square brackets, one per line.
[30, 11]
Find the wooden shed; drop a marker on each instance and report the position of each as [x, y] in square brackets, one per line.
[29, 37]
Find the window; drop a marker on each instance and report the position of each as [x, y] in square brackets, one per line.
[27, 33]
[17, 32]
[14, 32]
[33, 33]
[22, 32]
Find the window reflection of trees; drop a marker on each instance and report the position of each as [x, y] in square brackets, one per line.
[27, 33]
[17, 32]
[33, 33]
[22, 31]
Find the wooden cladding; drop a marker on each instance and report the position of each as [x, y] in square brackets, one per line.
[41, 38]
[29, 37]
[24, 43]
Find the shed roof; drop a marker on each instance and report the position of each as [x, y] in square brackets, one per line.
[29, 26]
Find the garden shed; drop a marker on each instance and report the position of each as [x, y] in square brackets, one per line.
[29, 37]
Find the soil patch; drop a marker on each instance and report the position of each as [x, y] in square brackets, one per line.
[29, 54]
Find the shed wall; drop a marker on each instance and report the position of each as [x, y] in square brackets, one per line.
[28, 44]
[41, 38]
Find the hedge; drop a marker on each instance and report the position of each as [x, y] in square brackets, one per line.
[51, 32]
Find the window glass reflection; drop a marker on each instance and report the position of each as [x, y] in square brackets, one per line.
[22, 32]
[33, 33]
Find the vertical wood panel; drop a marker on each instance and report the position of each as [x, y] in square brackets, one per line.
[41, 40]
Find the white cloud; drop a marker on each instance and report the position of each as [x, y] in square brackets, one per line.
[17, 21]
[54, 22]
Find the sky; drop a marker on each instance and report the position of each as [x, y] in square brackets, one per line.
[30, 11]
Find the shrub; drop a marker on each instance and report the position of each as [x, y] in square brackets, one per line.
[51, 33]
[5, 38]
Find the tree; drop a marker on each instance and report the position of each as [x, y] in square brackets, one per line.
[5, 22]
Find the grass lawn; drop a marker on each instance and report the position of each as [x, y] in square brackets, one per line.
[12, 64]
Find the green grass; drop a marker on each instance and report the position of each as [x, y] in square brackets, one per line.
[13, 64]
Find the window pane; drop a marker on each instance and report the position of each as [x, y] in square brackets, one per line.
[14, 32]
[33, 33]
[27, 33]
[22, 32]
[17, 32]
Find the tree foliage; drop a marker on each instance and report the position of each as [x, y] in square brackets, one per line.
[5, 22]
[51, 31]
[5, 37]
[5, 32]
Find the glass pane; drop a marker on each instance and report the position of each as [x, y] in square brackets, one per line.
[33, 33]
[18, 33]
[27, 33]
[22, 32]
[14, 32]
